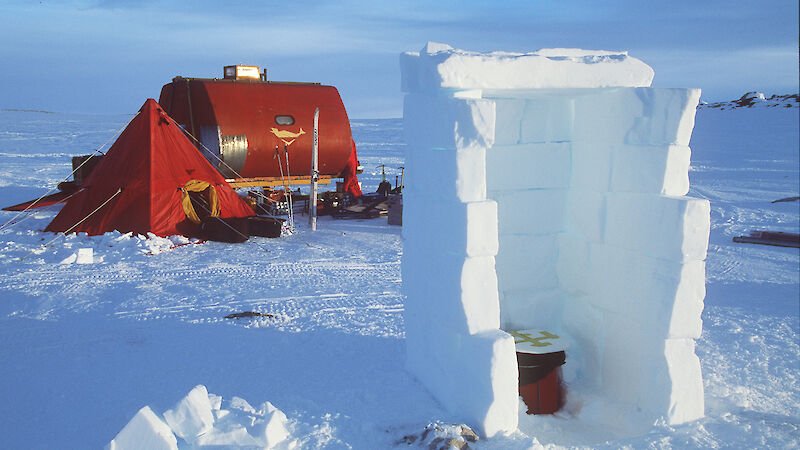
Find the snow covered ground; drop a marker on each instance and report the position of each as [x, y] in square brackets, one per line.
[85, 346]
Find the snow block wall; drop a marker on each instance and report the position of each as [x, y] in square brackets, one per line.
[547, 190]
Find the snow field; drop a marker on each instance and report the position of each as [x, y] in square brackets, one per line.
[605, 166]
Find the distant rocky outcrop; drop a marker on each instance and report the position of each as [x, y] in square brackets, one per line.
[756, 99]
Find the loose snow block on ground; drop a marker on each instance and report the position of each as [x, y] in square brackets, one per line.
[672, 228]
[454, 228]
[191, 416]
[145, 431]
[528, 166]
[439, 66]
[472, 375]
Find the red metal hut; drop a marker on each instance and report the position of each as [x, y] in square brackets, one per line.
[242, 118]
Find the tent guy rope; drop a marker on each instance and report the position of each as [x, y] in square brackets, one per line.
[71, 174]
[58, 235]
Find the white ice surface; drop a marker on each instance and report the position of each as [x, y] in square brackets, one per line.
[142, 325]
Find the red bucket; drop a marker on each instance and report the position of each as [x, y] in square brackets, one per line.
[540, 356]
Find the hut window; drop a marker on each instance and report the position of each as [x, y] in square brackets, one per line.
[284, 120]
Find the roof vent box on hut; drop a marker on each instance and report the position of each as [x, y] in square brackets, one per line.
[240, 72]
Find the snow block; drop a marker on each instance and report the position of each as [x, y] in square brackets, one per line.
[191, 416]
[474, 376]
[453, 228]
[228, 433]
[526, 262]
[531, 211]
[508, 121]
[672, 228]
[528, 166]
[606, 115]
[439, 66]
[651, 169]
[686, 401]
[585, 325]
[547, 118]
[667, 380]
[638, 116]
[273, 429]
[586, 214]
[591, 166]
[668, 117]
[432, 121]
[145, 431]
[573, 264]
[531, 308]
[446, 173]
[456, 293]
[665, 296]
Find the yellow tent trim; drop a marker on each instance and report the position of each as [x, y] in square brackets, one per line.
[198, 186]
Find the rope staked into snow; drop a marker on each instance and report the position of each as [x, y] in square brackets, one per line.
[71, 174]
[77, 223]
[30, 215]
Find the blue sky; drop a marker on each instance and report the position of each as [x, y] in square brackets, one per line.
[108, 56]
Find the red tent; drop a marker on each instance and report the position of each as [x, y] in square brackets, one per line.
[150, 180]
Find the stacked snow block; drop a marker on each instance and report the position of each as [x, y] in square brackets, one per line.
[452, 315]
[631, 259]
[552, 197]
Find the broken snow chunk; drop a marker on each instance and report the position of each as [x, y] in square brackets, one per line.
[242, 405]
[85, 256]
[192, 416]
[273, 428]
[145, 431]
[215, 401]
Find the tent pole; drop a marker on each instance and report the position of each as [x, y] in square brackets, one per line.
[312, 198]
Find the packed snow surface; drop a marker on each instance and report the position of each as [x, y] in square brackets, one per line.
[87, 346]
